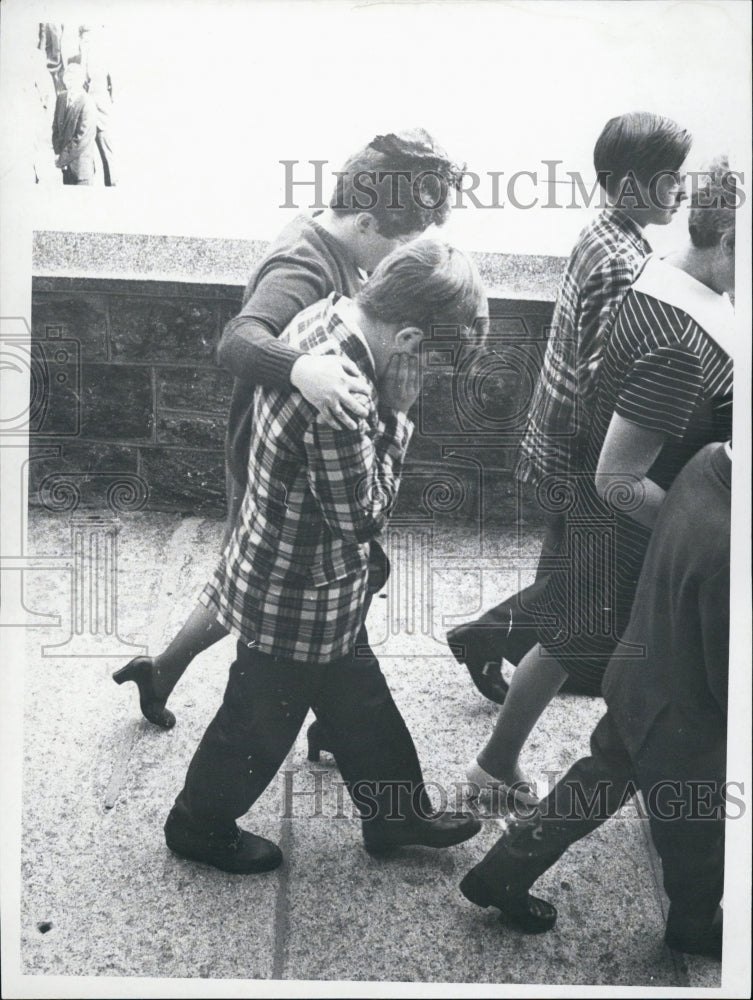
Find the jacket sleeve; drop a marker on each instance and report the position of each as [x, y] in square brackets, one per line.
[251, 352]
[355, 474]
[602, 296]
[57, 124]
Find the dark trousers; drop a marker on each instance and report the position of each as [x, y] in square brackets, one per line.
[510, 630]
[689, 837]
[105, 153]
[70, 178]
[264, 707]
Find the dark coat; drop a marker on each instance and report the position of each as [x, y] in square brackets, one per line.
[74, 130]
[666, 685]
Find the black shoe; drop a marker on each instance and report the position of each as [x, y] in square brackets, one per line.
[141, 671]
[317, 741]
[486, 674]
[240, 853]
[518, 908]
[440, 830]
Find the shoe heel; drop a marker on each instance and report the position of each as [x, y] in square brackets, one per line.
[123, 674]
[152, 708]
[379, 850]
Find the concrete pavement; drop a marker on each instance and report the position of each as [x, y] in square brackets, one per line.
[101, 894]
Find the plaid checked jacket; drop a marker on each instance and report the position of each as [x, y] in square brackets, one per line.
[601, 268]
[293, 579]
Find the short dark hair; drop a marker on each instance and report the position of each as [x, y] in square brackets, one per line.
[426, 283]
[404, 181]
[712, 206]
[639, 144]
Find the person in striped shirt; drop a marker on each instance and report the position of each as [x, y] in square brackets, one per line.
[664, 391]
[638, 159]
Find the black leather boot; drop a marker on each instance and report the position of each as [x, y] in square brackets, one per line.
[237, 851]
[484, 666]
[503, 877]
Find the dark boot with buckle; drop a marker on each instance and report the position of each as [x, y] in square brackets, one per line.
[235, 851]
[506, 873]
[484, 664]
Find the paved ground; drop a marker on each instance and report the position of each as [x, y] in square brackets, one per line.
[101, 894]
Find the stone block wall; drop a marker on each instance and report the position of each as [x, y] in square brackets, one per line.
[126, 392]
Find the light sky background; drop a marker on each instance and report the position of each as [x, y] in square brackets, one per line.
[210, 97]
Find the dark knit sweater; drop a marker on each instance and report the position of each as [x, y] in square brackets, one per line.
[303, 265]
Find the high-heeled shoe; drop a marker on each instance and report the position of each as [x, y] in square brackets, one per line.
[317, 741]
[521, 794]
[141, 671]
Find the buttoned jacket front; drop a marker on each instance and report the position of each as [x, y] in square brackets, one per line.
[293, 579]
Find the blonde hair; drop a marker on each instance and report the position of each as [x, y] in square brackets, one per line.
[712, 206]
[426, 283]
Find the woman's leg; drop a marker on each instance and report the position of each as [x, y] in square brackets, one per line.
[536, 680]
[157, 676]
[199, 631]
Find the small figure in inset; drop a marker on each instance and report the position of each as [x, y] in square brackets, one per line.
[98, 83]
[74, 129]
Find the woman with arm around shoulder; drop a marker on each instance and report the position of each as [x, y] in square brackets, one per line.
[312, 258]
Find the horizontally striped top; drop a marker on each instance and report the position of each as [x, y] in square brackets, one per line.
[662, 371]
